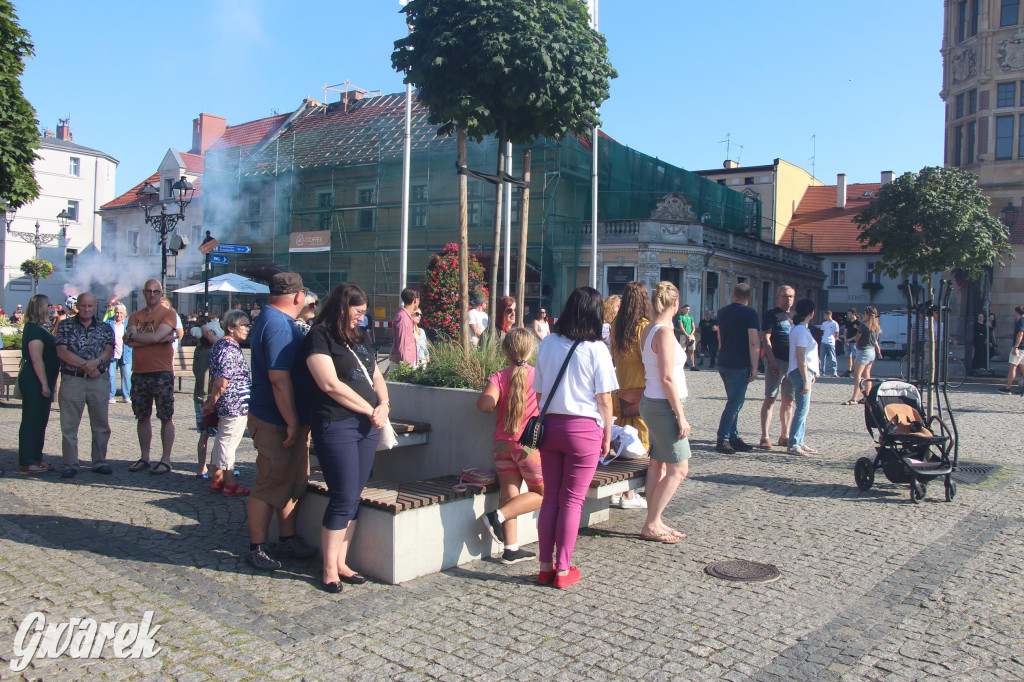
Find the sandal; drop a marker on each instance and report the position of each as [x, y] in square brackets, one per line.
[848, 402]
[160, 468]
[34, 469]
[235, 490]
[139, 466]
[45, 465]
[664, 538]
[217, 487]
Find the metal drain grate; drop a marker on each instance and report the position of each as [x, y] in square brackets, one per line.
[741, 570]
[974, 473]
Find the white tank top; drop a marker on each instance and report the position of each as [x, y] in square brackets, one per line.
[652, 375]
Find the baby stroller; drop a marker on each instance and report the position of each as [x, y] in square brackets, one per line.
[911, 449]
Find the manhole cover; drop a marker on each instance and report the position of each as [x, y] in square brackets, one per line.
[742, 570]
[974, 473]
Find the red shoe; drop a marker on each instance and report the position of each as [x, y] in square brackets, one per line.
[217, 487]
[547, 577]
[570, 578]
[235, 490]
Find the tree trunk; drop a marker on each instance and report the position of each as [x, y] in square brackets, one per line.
[524, 222]
[463, 243]
[496, 249]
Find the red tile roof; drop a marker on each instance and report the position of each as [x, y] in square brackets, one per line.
[251, 133]
[832, 228]
[130, 200]
[194, 163]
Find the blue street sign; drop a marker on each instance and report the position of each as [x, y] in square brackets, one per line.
[220, 260]
[233, 248]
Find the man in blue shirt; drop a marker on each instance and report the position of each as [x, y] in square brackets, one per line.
[280, 437]
[737, 364]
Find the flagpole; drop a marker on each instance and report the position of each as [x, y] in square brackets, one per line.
[592, 5]
[403, 258]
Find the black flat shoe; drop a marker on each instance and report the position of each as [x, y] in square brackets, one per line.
[333, 588]
[354, 579]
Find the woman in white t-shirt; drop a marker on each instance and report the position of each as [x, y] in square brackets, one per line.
[477, 320]
[803, 361]
[662, 410]
[577, 427]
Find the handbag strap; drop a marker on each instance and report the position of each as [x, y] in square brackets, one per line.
[360, 363]
[558, 379]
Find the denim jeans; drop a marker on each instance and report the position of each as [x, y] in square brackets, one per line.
[801, 403]
[126, 378]
[827, 352]
[735, 381]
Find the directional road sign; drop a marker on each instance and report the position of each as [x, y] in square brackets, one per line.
[222, 260]
[234, 248]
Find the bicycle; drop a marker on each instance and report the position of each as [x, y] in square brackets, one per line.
[956, 371]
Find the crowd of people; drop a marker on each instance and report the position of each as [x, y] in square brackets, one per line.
[314, 377]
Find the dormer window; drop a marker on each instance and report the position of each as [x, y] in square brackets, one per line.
[166, 185]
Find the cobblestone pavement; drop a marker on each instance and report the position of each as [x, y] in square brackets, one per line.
[872, 586]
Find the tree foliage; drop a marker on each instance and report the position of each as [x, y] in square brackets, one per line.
[439, 291]
[534, 66]
[37, 269]
[933, 221]
[19, 135]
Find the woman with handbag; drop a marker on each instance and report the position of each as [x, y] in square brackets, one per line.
[230, 383]
[662, 409]
[574, 379]
[632, 318]
[349, 410]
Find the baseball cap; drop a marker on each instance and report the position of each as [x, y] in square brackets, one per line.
[284, 283]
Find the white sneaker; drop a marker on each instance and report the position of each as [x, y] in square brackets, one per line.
[635, 502]
[111, 401]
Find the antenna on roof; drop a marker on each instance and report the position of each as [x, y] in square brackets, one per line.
[345, 88]
[740, 155]
[814, 153]
[728, 143]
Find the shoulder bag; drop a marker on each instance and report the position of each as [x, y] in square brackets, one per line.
[533, 434]
[388, 439]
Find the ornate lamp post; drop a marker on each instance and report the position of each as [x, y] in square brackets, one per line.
[163, 222]
[35, 238]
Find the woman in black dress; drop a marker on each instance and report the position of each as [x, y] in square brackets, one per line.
[36, 380]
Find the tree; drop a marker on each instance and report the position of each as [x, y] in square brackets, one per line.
[522, 69]
[37, 270]
[933, 221]
[19, 135]
[440, 293]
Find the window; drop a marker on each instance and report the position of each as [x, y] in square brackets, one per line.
[254, 207]
[73, 210]
[366, 220]
[975, 16]
[419, 216]
[872, 276]
[168, 189]
[1020, 146]
[323, 221]
[69, 258]
[722, 181]
[253, 230]
[1004, 138]
[972, 101]
[1006, 95]
[197, 236]
[1008, 12]
[838, 274]
[418, 193]
[958, 145]
[972, 138]
[473, 212]
[364, 195]
[133, 242]
[618, 278]
[961, 21]
[958, 110]
[748, 181]
[324, 199]
[74, 166]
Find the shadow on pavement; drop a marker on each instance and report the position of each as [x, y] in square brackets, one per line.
[789, 487]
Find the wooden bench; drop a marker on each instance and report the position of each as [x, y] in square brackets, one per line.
[412, 529]
[10, 364]
[183, 358]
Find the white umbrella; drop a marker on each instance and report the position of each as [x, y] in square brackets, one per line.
[229, 283]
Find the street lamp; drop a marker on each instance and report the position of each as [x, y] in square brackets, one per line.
[163, 222]
[1010, 214]
[35, 238]
[8, 214]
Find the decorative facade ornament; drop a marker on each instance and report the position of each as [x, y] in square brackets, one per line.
[965, 64]
[1009, 54]
[673, 262]
[674, 206]
[619, 260]
[692, 283]
[695, 261]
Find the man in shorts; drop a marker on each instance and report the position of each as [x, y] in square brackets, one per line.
[775, 340]
[280, 435]
[849, 331]
[1016, 358]
[151, 333]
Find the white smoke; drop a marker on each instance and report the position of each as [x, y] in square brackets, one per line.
[108, 280]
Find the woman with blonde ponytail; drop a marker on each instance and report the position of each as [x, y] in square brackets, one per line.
[511, 392]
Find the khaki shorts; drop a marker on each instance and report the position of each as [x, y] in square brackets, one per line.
[774, 384]
[281, 473]
[1017, 356]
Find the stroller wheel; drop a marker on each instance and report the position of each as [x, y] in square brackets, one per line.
[864, 473]
[950, 490]
[918, 490]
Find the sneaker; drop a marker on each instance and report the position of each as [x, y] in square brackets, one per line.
[739, 446]
[260, 560]
[1004, 389]
[509, 557]
[70, 472]
[724, 447]
[102, 469]
[111, 401]
[490, 521]
[571, 578]
[295, 548]
[765, 444]
[695, 369]
[783, 442]
[635, 502]
[797, 450]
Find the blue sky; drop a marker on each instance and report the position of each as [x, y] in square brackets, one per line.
[863, 78]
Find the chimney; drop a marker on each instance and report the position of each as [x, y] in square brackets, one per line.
[841, 190]
[887, 177]
[64, 130]
[729, 163]
[205, 131]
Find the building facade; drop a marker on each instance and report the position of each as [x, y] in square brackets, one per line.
[71, 178]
